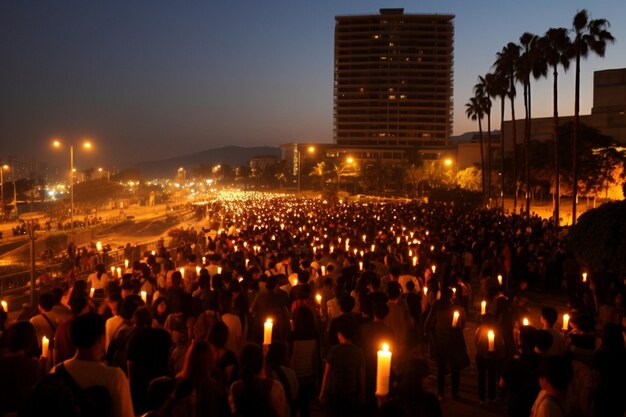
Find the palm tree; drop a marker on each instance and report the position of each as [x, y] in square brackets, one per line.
[483, 89]
[506, 64]
[319, 170]
[589, 35]
[556, 46]
[498, 85]
[474, 109]
[530, 63]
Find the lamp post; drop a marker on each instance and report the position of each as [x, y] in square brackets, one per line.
[103, 171]
[310, 149]
[2, 183]
[86, 145]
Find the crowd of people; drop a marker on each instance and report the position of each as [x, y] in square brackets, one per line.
[280, 306]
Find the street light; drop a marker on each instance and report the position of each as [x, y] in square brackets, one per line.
[2, 184]
[310, 150]
[448, 162]
[87, 146]
[105, 172]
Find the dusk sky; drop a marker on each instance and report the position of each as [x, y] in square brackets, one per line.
[151, 79]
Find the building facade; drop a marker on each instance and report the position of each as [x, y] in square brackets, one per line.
[393, 80]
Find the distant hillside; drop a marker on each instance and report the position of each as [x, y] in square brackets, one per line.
[467, 136]
[231, 155]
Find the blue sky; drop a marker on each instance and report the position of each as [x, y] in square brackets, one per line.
[151, 79]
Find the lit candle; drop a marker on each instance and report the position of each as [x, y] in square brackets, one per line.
[267, 332]
[364, 237]
[198, 270]
[398, 240]
[360, 265]
[438, 295]
[483, 307]
[323, 270]
[126, 263]
[584, 277]
[144, 296]
[294, 281]
[415, 261]
[383, 371]
[425, 291]
[5, 307]
[432, 248]
[45, 343]
[372, 248]
[332, 248]
[454, 290]
[434, 268]
[182, 272]
[410, 253]
[112, 271]
[204, 260]
[500, 279]
[99, 246]
[119, 272]
[219, 269]
[525, 322]
[91, 292]
[455, 319]
[318, 298]
[491, 336]
[565, 321]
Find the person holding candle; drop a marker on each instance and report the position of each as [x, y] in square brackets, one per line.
[98, 280]
[490, 354]
[44, 326]
[548, 320]
[19, 370]
[343, 383]
[449, 345]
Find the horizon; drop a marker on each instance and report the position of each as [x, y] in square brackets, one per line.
[138, 78]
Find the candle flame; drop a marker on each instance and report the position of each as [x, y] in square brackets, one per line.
[385, 347]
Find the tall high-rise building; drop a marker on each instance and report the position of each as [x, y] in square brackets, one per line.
[393, 80]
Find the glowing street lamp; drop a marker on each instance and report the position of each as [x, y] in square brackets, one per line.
[448, 162]
[87, 145]
[103, 171]
[310, 150]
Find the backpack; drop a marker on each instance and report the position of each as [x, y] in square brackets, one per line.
[58, 395]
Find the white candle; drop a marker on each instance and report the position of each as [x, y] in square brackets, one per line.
[5, 307]
[45, 343]
[483, 307]
[198, 270]
[425, 291]
[454, 290]
[182, 272]
[372, 248]
[112, 271]
[219, 269]
[119, 272]
[455, 319]
[204, 260]
[318, 298]
[433, 268]
[126, 263]
[364, 237]
[153, 252]
[500, 279]
[584, 277]
[294, 281]
[360, 265]
[91, 292]
[415, 261]
[383, 371]
[525, 322]
[332, 248]
[565, 321]
[267, 332]
[144, 296]
[247, 260]
[491, 336]
[410, 253]
[323, 270]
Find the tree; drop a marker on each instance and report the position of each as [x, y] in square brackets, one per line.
[474, 109]
[505, 65]
[483, 89]
[281, 173]
[531, 64]
[469, 178]
[499, 88]
[589, 35]
[319, 170]
[556, 47]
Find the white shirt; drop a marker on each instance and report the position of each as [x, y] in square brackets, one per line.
[90, 373]
[235, 332]
[96, 283]
[112, 328]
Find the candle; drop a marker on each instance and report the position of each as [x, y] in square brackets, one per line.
[5, 307]
[364, 237]
[415, 261]
[398, 240]
[323, 270]
[45, 343]
[438, 295]
[91, 292]
[267, 332]
[247, 260]
[432, 248]
[565, 321]
[410, 253]
[383, 371]
[153, 252]
[144, 296]
[491, 336]
[112, 271]
[332, 248]
[294, 281]
[584, 277]
[483, 307]
[318, 298]
[219, 269]
[434, 268]
[119, 272]
[454, 290]
[360, 265]
[182, 272]
[372, 248]
[99, 246]
[525, 322]
[455, 319]
[425, 291]
[500, 279]
[198, 270]
[126, 263]
[204, 260]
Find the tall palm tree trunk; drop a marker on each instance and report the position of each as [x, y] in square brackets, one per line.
[502, 103]
[575, 140]
[555, 137]
[527, 152]
[482, 154]
[489, 153]
[514, 141]
[525, 146]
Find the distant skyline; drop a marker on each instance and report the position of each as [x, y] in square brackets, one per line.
[147, 80]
